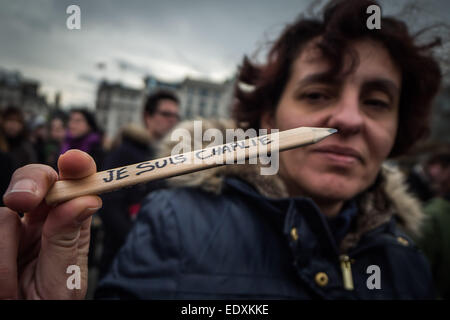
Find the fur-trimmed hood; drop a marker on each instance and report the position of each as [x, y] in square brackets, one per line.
[386, 198]
[134, 133]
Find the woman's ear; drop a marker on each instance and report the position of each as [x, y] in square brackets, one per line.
[267, 120]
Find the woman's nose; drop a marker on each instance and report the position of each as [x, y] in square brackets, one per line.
[346, 115]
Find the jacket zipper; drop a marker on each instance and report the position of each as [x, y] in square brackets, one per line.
[346, 272]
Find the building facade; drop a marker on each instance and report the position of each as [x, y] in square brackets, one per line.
[23, 93]
[198, 98]
[117, 106]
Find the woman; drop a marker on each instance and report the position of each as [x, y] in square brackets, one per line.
[84, 134]
[331, 213]
[329, 217]
[57, 134]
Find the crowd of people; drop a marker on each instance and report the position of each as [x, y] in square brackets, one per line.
[310, 231]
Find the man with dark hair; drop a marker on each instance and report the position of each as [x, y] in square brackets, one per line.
[161, 113]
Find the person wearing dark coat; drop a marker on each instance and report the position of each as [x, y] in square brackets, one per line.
[435, 239]
[15, 138]
[231, 233]
[120, 207]
[424, 179]
[332, 223]
[56, 135]
[161, 114]
[6, 172]
[84, 134]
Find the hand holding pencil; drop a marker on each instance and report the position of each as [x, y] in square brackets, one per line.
[37, 249]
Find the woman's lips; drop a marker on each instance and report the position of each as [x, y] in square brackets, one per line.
[339, 155]
[339, 158]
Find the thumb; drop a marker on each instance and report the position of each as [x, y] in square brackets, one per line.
[63, 245]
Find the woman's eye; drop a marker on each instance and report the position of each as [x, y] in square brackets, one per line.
[315, 96]
[377, 103]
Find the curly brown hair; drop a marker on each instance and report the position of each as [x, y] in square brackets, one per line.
[343, 22]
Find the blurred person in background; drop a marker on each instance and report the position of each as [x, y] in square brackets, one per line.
[84, 134]
[6, 172]
[38, 138]
[161, 113]
[16, 138]
[135, 144]
[435, 240]
[57, 134]
[423, 179]
[6, 165]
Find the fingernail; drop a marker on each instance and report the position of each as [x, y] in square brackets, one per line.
[93, 209]
[25, 185]
[86, 213]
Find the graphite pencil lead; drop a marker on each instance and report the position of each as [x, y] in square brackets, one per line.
[320, 134]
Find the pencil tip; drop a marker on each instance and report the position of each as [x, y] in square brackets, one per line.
[322, 133]
[332, 131]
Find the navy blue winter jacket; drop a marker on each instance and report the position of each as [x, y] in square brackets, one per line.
[239, 244]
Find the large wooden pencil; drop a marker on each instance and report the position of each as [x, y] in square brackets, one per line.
[175, 165]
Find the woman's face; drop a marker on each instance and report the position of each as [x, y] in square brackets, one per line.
[78, 125]
[363, 107]
[12, 127]
[57, 130]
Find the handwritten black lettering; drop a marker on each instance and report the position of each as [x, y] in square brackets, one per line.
[265, 140]
[111, 176]
[121, 173]
[226, 149]
[145, 165]
[177, 159]
[159, 166]
[216, 151]
[181, 158]
[198, 154]
[240, 144]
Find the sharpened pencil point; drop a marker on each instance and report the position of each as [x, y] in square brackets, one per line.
[322, 133]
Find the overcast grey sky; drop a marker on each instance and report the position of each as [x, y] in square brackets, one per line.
[170, 39]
